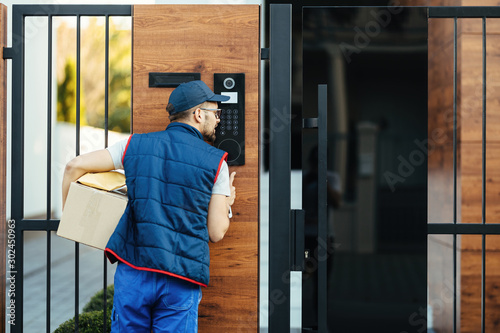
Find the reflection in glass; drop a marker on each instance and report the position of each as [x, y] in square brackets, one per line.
[374, 61]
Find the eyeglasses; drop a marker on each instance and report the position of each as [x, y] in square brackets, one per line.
[217, 112]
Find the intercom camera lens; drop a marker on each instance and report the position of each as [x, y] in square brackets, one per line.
[229, 83]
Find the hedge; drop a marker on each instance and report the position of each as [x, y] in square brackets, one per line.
[90, 321]
[96, 302]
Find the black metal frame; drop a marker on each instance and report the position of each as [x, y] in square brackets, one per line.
[280, 92]
[17, 54]
[455, 228]
[322, 203]
[286, 226]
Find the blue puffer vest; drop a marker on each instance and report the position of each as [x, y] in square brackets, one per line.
[170, 175]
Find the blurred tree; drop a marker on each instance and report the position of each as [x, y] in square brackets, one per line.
[66, 96]
[120, 79]
[93, 75]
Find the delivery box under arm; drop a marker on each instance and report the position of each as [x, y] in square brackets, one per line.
[93, 208]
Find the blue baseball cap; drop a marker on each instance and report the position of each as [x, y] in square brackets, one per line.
[190, 94]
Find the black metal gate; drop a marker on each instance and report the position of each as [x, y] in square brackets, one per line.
[19, 223]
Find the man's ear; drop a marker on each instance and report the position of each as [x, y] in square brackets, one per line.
[198, 118]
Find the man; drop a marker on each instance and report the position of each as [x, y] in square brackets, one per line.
[180, 196]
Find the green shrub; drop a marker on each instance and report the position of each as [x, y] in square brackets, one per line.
[96, 302]
[88, 322]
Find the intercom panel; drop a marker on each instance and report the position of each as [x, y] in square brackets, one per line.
[230, 134]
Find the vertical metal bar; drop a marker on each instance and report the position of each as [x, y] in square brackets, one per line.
[48, 291]
[49, 117]
[279, 165]
[77, 245]
[16, 271]
[322, 208]
[49, 167]
[483, 203]
[455, 174]
[106, 116]
[78, 36]
[483, 208]
[106, 87]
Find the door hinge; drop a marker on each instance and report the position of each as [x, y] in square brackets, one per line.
[8, 53]
[264, 53]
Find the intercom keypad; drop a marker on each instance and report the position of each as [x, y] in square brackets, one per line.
[230, 133]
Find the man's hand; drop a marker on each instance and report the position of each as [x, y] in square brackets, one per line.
[97, 161]
[230, 199]
[218, 209]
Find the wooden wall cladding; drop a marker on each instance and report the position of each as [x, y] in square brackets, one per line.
[470, 276]
[478, 3]
[210, 39]
[3, 156]
[469, 156]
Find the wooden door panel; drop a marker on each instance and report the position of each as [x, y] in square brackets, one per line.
[210, 39]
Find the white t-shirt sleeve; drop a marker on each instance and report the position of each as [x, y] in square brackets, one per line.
[117, 150]
[221, 185]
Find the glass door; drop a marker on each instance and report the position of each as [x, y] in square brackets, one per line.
[373, 61]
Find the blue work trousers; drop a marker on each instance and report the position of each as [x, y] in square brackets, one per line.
[153, 302]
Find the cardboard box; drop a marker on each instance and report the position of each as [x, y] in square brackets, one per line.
[92, 211]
